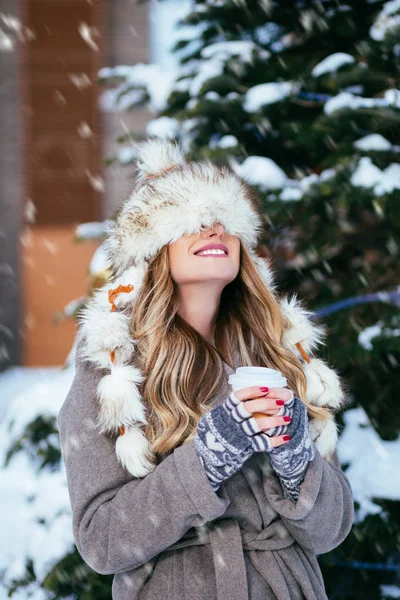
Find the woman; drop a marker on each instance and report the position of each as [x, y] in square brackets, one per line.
[179, 486]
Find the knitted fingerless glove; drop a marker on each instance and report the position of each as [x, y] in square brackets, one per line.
[289, 460]
[225, 438]
[222, 445]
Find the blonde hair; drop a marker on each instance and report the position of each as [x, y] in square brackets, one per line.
[182, 370]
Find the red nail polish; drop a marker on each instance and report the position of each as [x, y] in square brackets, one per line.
[287, 419]
[286, 438]
[280, 402]
[264, 389]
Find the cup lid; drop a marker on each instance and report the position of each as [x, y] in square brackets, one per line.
[267, 380]
[257, 370]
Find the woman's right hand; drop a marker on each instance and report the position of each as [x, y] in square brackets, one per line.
[226, 435]
[255, 406]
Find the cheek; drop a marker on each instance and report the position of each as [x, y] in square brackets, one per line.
[178, 261]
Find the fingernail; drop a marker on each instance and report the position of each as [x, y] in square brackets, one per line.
[264, 389]
[287, 419]
[286, 438]
[280, 402]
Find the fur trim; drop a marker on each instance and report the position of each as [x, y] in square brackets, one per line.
[131, 277]
[324, 436]
[120, 399]
[323, 385]
[300, 329]
[105, 331]
[132, 450]
[155, 157]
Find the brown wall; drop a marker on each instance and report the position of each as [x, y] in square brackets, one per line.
[55, 272]
[62, 160]
[53, 145]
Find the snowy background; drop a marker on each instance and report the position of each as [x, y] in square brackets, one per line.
[35, 516]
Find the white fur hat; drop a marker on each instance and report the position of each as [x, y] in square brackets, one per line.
[171, 198]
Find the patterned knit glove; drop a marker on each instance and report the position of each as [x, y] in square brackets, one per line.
[289, 460]
[222, 445]
[225, 438]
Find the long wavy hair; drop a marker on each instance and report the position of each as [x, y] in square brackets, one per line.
[182, 370]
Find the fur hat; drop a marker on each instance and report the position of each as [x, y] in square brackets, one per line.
[171, 198]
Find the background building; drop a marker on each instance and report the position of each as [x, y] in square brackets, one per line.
[54, 142]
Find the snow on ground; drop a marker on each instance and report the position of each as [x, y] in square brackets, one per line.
[29, 497]
[361, 447]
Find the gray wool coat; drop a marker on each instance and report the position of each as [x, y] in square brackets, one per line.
[169, 536]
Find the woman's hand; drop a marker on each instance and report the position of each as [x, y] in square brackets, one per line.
[254, 405]
[290, 458]
[224, 437]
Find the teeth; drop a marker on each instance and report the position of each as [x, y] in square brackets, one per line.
[215, 251]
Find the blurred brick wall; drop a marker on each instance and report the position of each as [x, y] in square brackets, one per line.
[62, 166]
[54, 142]
[55, 272]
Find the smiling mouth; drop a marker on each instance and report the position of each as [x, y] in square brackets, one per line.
[213, 255]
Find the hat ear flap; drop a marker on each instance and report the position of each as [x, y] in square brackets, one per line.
[134, 452]
[323, 383]
[324, 387]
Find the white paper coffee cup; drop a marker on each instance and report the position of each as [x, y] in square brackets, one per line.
[258, 376]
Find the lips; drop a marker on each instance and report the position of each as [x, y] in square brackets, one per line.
[214, 247]
[212, 255]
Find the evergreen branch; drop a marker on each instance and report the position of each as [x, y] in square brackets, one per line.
[387, 297]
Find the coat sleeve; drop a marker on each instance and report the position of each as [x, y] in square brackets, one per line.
[323, 515]
[120, 522]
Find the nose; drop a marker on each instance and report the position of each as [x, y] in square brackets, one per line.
[216, 230]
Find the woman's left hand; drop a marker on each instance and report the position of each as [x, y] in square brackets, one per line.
[289, 460]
